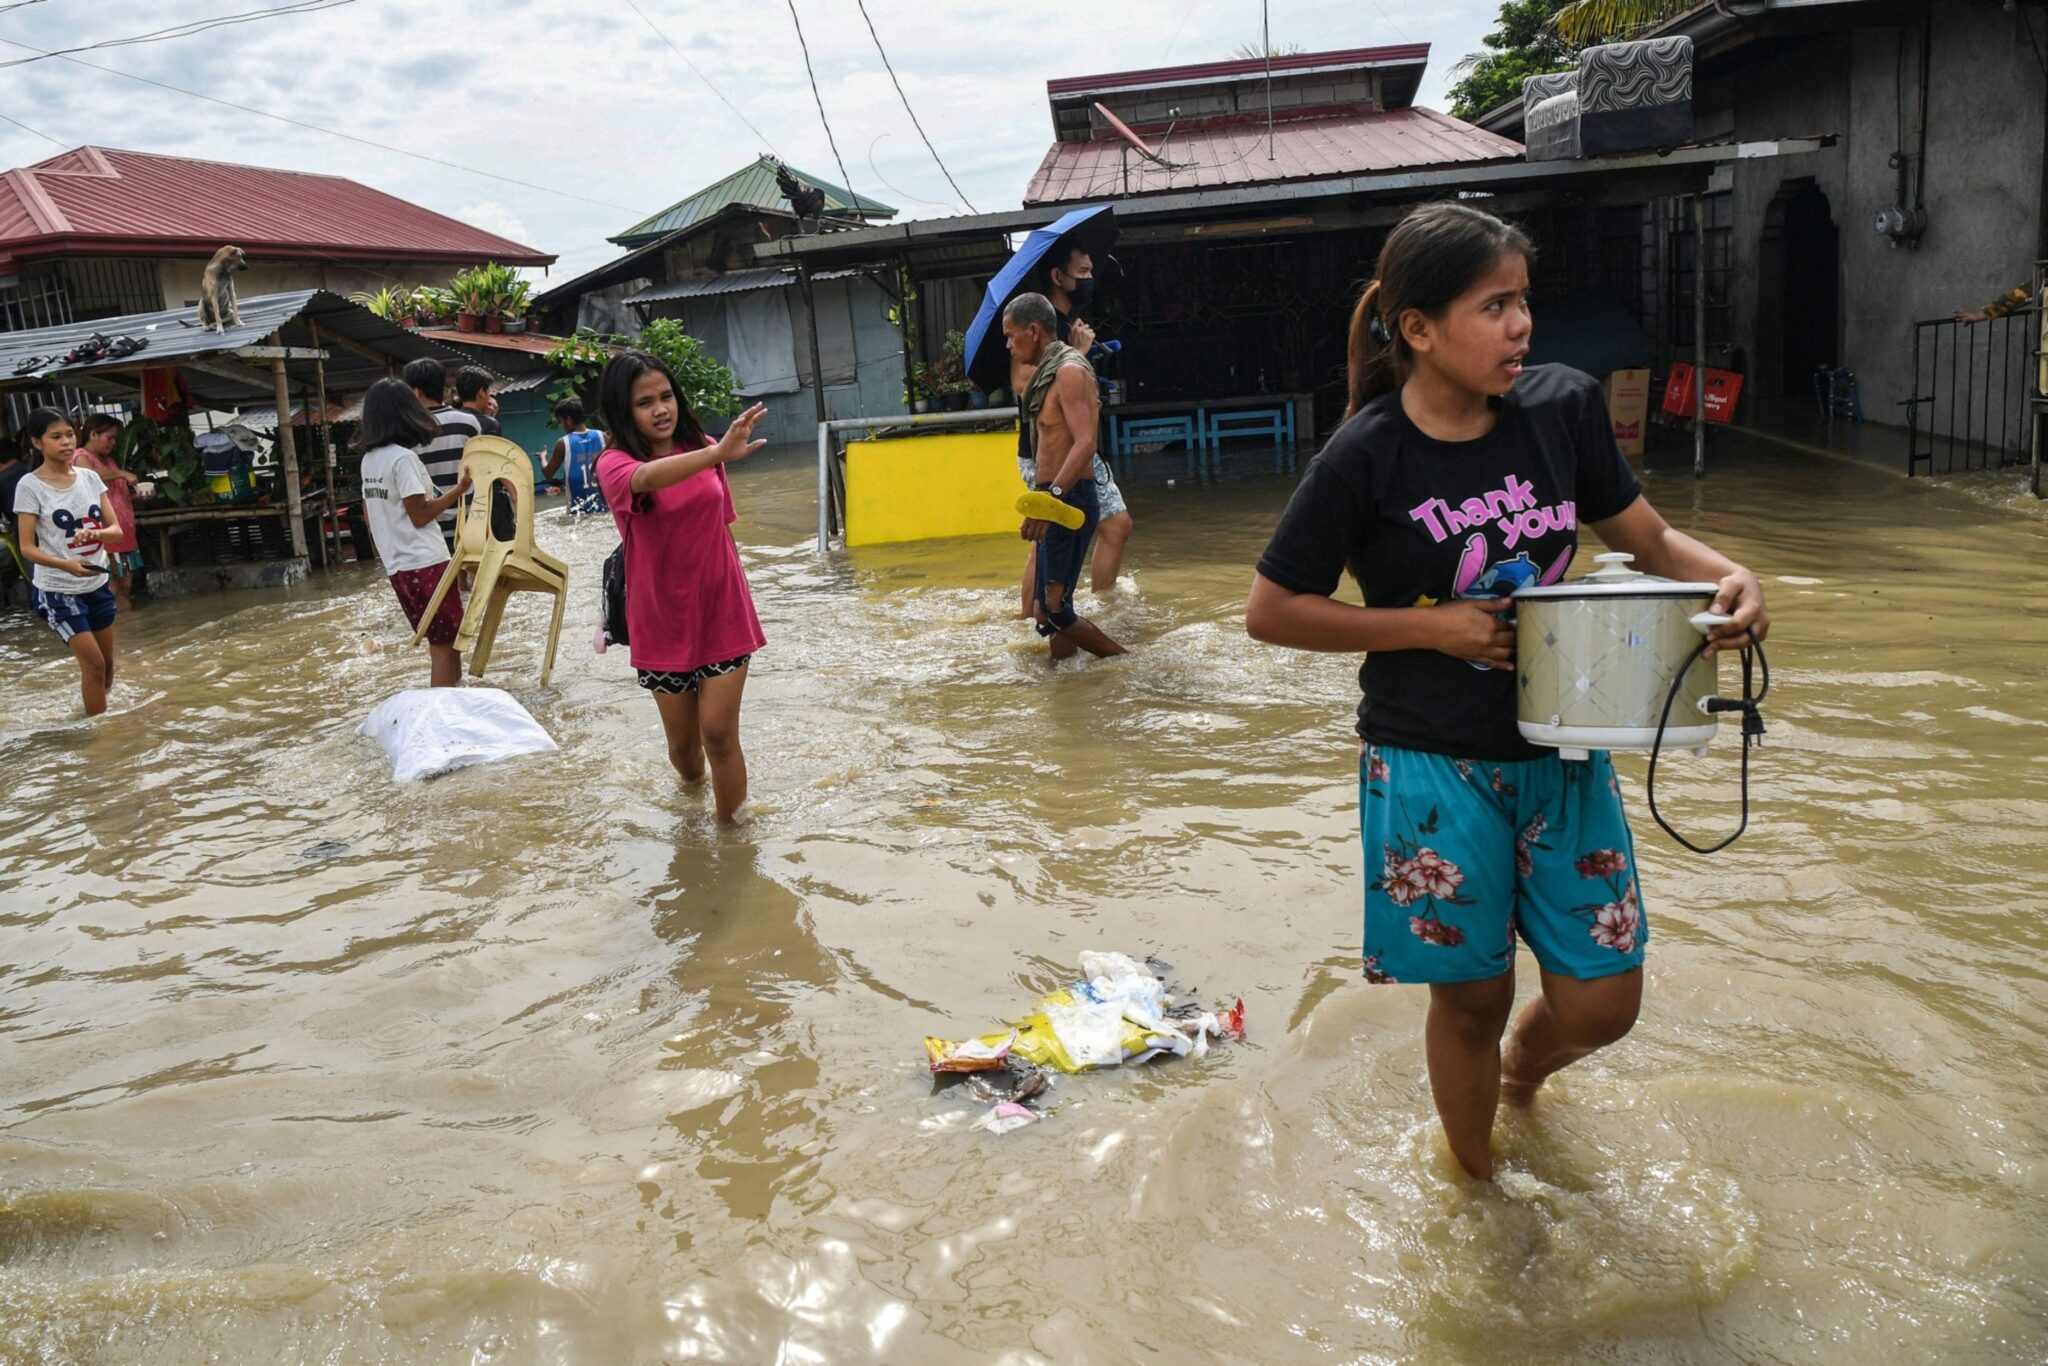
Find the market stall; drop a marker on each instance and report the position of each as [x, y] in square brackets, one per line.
[301, 352]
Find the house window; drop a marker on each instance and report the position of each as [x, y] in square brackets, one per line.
[1683, 261]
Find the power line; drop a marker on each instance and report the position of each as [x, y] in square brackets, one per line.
[24, 127]
[908, 110]
[635, 7]
[187, 30]
[844, 178]
[331, 132]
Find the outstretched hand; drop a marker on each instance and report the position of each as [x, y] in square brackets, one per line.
[738, 442]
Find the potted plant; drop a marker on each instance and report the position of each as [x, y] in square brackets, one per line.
[923, 385]
[386, 303]
[512, 301]
[467, 288]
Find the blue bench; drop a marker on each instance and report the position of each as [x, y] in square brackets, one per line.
[1126, 432]
[1276, 424]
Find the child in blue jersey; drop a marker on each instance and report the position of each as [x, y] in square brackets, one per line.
[1456, 477]
[575, 458]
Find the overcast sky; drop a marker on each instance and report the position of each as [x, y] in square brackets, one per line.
[581, 97]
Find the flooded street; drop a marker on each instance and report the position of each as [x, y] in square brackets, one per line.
[533, 1063]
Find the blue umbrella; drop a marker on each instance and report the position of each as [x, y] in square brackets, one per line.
[988, 360]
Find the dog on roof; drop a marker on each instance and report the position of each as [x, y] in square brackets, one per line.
[217, 306]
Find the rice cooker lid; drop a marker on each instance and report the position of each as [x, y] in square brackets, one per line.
[1615, 579]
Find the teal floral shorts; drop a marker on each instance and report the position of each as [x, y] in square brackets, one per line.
[1461, 855]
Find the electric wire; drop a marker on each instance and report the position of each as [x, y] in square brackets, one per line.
[886, 66]
[698, 72]
[37, 131]
[187, 30]
[1749, 704]
[331, 132]
[844, 179]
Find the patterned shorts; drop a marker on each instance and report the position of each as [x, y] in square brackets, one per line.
[1461, 855]
[688, 680]
[415, 588]
[75, 614]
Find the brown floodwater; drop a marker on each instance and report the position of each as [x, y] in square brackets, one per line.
[534, 1063]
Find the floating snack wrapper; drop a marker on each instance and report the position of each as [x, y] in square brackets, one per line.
[975, 1055]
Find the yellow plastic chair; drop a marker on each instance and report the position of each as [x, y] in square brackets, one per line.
[502, 568]
[14, 552]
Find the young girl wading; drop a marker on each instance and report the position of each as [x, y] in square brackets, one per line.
[689, 615]
[1456, 478]
[66, 522]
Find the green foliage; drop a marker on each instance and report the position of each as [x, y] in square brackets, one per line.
[1532, 37]
[708, 385]
[146, 447]
[1600, 21]
[387, 303]
[1523, 43]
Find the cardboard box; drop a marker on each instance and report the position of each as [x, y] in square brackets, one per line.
[1628, 403]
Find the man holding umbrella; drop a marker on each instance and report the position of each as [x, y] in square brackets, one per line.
[1059, 413]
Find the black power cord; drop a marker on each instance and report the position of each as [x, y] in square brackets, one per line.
[1749, 704]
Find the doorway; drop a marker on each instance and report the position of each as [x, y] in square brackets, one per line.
[1799, 288]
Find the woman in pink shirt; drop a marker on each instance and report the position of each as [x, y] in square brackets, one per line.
[97, 436]
[689, 616]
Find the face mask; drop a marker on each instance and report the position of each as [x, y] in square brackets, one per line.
[1082, 292]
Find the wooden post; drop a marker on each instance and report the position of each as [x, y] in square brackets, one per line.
[1699, 334]
[327, 445]
[288, 457]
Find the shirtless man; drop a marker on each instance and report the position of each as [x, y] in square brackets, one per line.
[1059, 411]
[1070, 285]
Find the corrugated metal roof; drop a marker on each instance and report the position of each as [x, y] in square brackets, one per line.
[1303, 149]
[755, 187]
[732, 282]
[110, 201]
[529, 343]
[1289, 64]
[211, 369]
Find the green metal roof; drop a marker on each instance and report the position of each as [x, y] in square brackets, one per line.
[754, 185]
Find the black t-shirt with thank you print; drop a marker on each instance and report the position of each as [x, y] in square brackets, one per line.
[1420, 521]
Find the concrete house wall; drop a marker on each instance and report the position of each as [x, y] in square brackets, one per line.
[1983, 188]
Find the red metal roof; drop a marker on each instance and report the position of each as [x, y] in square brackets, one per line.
[1235, 154]
[104, 201]
[1291, 63]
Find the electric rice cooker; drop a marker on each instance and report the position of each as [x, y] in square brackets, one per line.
[1595, 659]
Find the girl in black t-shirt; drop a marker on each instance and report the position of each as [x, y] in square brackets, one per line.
[1456, 478]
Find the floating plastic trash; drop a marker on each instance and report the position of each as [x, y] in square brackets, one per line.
[1122, 1012]
[429, 731]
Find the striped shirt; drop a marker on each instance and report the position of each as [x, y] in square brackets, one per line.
[443, 457]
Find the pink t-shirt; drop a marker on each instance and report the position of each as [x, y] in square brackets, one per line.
[120, 504]
[687, 603]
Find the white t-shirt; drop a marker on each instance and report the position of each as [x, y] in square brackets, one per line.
[391, 474]
[60, 515]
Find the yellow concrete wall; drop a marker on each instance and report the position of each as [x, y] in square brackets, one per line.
[924, 487]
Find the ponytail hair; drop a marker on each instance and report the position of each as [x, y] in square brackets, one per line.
[1430, 258]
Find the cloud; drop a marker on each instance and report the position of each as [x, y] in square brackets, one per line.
[582, 99]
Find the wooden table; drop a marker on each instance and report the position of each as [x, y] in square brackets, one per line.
[168, 521]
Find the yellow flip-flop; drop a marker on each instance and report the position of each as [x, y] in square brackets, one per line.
[1044, 507]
